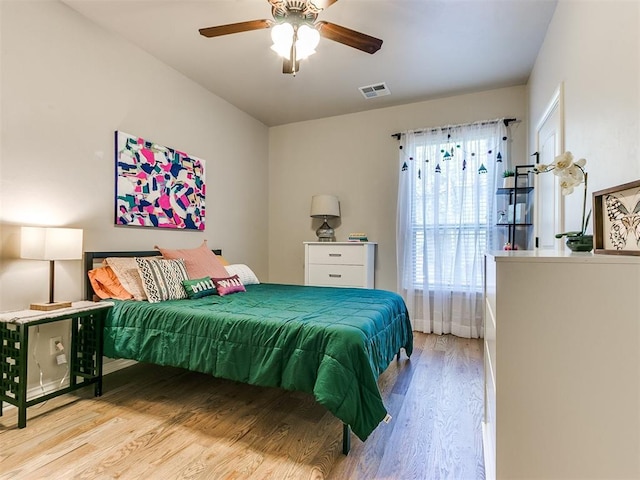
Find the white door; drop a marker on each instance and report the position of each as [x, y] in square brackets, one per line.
[549, 207]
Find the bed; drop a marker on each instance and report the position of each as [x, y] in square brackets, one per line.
[329, 342]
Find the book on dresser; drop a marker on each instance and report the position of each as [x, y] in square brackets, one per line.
[358, 237]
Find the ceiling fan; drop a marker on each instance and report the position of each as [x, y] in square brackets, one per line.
[296, 32]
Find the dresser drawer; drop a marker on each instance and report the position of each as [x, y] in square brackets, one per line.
[337, 275]
[337, 254]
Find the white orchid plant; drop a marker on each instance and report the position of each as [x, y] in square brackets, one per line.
[571, 174]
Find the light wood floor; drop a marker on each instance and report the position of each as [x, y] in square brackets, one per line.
[165, 423]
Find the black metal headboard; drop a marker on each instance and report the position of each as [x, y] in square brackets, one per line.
[91, 259]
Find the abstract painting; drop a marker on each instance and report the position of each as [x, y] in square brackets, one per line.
[157, 186]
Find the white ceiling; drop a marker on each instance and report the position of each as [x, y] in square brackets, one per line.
[432, 48]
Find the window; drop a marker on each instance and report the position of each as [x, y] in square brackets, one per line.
[450, 208]
[446, 219]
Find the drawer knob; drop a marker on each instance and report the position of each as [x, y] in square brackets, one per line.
[335, 254]
[335, 275]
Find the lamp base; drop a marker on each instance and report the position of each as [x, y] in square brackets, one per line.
[325, 233]
[45, 307]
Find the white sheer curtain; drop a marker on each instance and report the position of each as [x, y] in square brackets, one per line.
[446, 221]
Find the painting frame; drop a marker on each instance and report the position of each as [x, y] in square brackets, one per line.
[157, 186]
[616, 213]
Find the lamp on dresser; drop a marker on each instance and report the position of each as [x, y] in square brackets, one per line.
[325, 207]
[48, 243]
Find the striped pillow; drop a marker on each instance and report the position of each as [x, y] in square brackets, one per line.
[162, 279]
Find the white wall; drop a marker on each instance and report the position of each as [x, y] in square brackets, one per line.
[355, 158]
[67, 85]
[594, 48]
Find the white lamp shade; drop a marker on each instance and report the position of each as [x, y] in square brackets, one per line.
[325, 206]
[46, 243]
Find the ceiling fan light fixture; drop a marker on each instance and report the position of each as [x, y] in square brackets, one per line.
[282, 49]
[296, 32]
[308, 39]
[282, 36]
[302, 54]
[282, 32]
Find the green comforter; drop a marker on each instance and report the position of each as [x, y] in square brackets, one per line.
[331, 342]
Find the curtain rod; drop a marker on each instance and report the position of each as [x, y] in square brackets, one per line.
[506, 122]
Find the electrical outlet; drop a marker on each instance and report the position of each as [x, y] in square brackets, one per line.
[52, 345]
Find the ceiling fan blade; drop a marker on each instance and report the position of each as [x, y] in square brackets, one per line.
[349, 37]
[235, 28]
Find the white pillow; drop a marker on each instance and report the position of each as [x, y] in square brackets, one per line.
[246, 275]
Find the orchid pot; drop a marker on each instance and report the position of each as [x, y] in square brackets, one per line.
[571, 174]
[580, 243]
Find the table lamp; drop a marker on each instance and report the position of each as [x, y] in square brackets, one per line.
[48, 243]
[325, 206]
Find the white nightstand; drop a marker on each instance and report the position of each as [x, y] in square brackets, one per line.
[339, 264]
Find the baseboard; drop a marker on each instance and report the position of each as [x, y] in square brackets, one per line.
[109, 366]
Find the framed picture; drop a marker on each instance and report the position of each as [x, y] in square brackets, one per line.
[617, 220]
[157, 186]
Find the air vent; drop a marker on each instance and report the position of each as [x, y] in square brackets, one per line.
[373, 91]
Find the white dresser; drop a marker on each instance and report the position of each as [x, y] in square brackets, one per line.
[339, 264]
[562, 366]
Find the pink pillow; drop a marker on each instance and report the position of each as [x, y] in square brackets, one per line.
[200, 262]
[228, 285]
